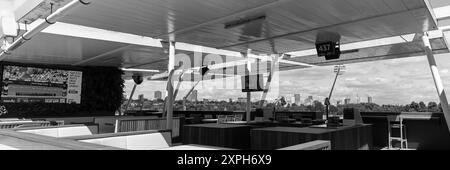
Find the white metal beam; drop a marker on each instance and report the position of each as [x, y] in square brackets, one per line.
[140, 70]
[437, 78]
[51, 19]
[360, 45]
[447, 38]
[442, 12]
[101, 55]
[320, 28]
[296, 63]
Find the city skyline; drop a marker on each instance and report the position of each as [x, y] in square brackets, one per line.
[389, 82]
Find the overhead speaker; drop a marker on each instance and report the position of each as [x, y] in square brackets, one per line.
[138, 78]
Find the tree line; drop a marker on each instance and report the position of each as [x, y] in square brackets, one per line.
[369, 107]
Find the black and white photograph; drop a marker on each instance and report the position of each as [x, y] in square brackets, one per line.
[234, 76]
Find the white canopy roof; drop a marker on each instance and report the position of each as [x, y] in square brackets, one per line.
[127, 34]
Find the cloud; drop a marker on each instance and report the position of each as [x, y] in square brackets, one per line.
[398, 81]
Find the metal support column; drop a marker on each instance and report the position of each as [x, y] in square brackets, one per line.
[437, 78]
[170, 89]
[131, 98]
[328, 100]
[249, 95]
[249, 107]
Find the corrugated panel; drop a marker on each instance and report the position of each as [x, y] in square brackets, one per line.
[153, 18]
[56, 49]
[295, 23]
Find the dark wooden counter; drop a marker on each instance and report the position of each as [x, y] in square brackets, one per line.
[220, 135]
[343, 138]
[424, 131]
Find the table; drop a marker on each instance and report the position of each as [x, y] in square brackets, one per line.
[238, 122]
[188, 120]
[418, 128]
[210, 120]
[220, 135]
[16, 121]
[343, 138]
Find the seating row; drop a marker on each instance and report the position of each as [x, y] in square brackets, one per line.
[62, 131]
[82, 137]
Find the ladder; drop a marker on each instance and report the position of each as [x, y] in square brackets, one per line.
[396, 123]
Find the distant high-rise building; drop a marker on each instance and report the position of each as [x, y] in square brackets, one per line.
[158, 95]
[297, 99]
[309, 100]
[194, 96]
[347, 101]
[289, 100]
[242, 99]
[369, 99]
[141, 97]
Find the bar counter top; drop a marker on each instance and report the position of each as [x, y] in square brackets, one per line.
[307, 130]
[215, 125]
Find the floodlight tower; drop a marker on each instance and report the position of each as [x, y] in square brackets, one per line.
[339, 70]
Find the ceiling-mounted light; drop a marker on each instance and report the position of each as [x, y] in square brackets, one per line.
[244, 21]
[8, 27]
[350, 51]
[140, 70]
[204, 70]
[286, 57]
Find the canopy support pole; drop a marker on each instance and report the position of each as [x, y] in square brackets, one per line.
[328, 100]
[249, 95]
[49, 20]
[188, 94]
[131, 97]
[170, 90]
[437, 78]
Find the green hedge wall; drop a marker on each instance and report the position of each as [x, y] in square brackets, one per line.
[102, 95]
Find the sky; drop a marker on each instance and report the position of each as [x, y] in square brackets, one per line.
[397, 81]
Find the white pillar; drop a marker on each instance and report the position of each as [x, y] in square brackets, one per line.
[170, 90]
[437, 78]
[249, 95]
[249, 106]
